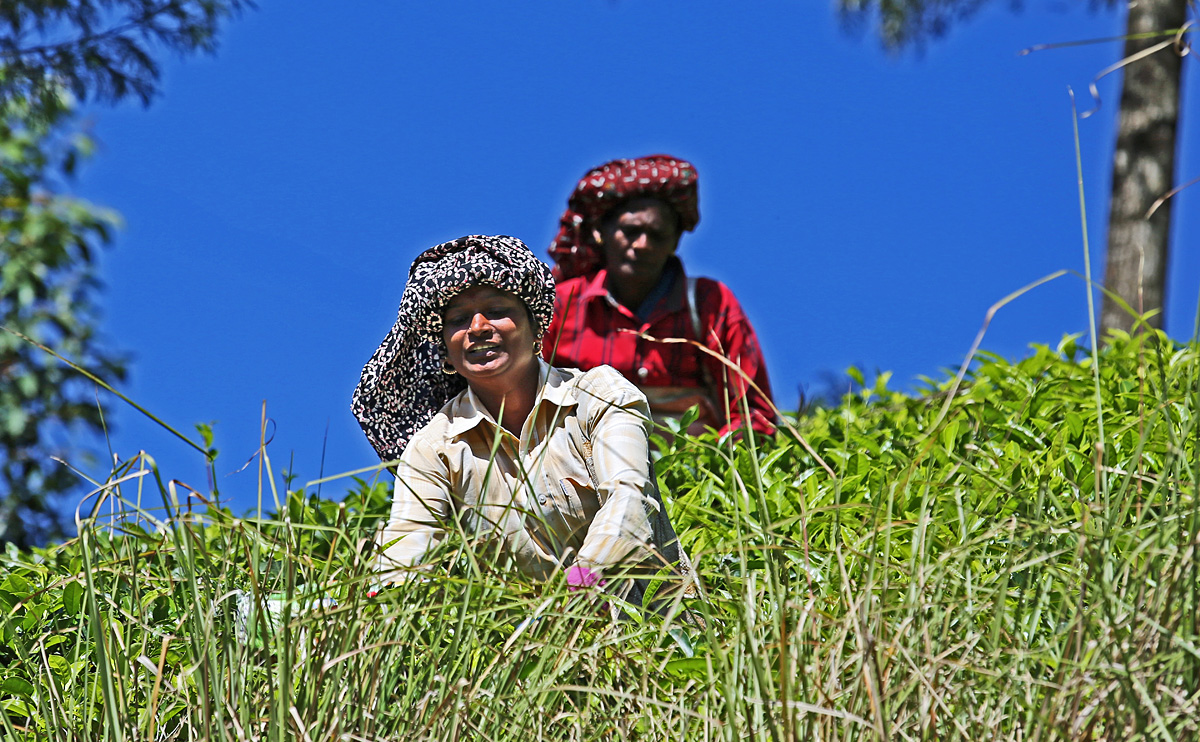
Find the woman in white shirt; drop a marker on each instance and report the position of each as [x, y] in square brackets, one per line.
[547, 469]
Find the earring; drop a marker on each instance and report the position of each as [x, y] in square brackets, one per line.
[447, 369]
[537, 347]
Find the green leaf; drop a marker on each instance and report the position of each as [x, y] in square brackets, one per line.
[1074, 423]
[689, 417]
[692, 667]
[17, 686]
[18, 708]
[73, 597]
[15, 586]
[682, 641]
[54, 641]
[950, 435]
[59, 665]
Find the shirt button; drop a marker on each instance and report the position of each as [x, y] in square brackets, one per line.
[643, 372]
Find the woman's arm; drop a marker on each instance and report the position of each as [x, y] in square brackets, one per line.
[622, 532]
[420, 507]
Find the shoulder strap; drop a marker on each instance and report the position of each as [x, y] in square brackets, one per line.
[694, 313]
[693, 310]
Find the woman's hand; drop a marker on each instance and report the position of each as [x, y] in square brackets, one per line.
[587, 583]
[581, 578]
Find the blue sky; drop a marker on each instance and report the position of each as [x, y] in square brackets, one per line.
[867, 209]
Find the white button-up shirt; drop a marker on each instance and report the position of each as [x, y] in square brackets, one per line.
[576, 488]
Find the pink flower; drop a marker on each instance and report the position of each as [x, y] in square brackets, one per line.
[581, 578]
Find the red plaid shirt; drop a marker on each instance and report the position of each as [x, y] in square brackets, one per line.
[591, 328]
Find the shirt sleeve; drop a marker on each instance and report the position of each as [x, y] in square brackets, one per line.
[420, 505]
[622, 532]
[739, 343]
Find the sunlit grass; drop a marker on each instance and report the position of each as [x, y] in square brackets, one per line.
[960, 576]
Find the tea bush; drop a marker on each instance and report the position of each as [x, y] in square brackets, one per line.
[1009, 555]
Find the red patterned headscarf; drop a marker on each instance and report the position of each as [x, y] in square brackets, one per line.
[670, 179]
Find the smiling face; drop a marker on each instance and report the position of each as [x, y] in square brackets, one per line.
[489, 337]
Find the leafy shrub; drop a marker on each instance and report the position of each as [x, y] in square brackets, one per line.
[1009, 555]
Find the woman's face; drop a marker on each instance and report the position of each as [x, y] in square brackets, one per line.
[638, 239]
[488, 335]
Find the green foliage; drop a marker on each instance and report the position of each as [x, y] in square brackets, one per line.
[47, 294]
[102, 49]
[998, 546]
[1009, 557]
[908, 22]
[913, 23]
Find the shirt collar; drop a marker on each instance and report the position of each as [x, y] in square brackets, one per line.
[555, 386]
[594, 288]
[671, 275]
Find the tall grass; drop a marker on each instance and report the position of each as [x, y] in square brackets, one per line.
[960, 575]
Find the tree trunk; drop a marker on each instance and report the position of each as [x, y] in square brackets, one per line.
[1143, 168]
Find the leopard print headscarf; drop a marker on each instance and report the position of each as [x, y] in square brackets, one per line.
[403, 385]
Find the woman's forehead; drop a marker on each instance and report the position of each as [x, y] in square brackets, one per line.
[478, 293]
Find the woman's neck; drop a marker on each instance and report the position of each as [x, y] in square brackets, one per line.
[510, 400]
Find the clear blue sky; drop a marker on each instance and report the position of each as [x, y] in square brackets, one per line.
[866, 209]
